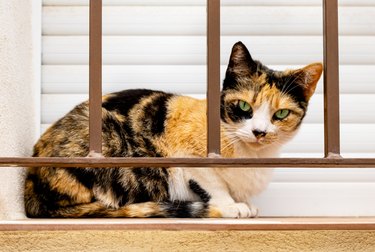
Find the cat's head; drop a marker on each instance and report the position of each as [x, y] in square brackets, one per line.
[260, 106]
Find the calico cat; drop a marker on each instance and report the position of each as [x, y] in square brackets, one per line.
[261, 109]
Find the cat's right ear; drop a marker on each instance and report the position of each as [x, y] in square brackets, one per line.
[240, 64]
[308, 77]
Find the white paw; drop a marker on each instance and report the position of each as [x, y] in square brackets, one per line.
[253, 209]
[238, 210]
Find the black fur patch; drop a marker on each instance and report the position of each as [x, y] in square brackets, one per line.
[185, 209]
[289, 85]
[84, 176]
[46, 196]
[120, 191]
[152, 184]
[125, 100]
[115, 128]
[197, 189]
[156, 112]
[233, 112]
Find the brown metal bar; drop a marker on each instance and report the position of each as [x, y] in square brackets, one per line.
[95, 90]
[331, 79]
[190, 162]
[213, 76]
[262, 223]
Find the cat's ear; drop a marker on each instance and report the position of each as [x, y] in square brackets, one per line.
[240, 60]
[308, 77]
[240, 64]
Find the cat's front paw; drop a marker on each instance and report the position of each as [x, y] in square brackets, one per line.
[254, 210]
[238, 210]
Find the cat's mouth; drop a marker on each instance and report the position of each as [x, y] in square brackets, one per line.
[258, 142]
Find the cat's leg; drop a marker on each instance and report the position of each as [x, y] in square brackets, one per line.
[213, 190]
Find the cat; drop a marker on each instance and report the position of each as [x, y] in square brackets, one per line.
[261, 109]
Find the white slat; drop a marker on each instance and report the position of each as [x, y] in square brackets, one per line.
[354, 108]
[69, 79]
[203, 2]
[73, 79]
[317, 199]
[309, 175]
[355, 138]
[192, 50]
[320, 154]
[156, 20]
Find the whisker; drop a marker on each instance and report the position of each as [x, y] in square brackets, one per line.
[285, 89]
[230, 143]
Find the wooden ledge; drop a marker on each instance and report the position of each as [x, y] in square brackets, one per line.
[263, 223]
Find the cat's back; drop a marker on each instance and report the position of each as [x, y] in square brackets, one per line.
[136, 122]
[169, 123]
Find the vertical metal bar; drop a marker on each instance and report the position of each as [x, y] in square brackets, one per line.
[331, 79]
[213, 77]
[95, 90]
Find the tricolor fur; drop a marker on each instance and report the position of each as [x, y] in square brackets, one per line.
[261, 109]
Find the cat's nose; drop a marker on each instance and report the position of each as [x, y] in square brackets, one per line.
[259, 133]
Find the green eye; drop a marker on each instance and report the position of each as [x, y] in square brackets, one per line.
[282, 113]
[244, 105]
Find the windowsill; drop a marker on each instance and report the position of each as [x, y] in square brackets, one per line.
[263, 223]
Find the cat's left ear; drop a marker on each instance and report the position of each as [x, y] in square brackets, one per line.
[308, 77]
[240, 65]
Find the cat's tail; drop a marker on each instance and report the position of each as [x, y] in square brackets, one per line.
[176, 209]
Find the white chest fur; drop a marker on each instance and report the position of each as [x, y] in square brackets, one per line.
[243, 183]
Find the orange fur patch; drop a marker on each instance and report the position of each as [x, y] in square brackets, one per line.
[62, 182]
[186, 129]
[142, 210]
[214, 212]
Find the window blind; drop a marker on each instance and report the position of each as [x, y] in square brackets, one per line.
[161, 45]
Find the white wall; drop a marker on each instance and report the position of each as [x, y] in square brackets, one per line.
[19, 95]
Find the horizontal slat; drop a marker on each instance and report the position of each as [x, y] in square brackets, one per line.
[135, 20]
[203, 2]
[313, 154]
[148, 50]
[65, 79]
[305, 175]
[294, 223]
[354, 108]
[146, 20]
[355, 138]
[317, 199]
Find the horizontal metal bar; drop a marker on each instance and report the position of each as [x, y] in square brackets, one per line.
[293, 223]
[188, 162]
